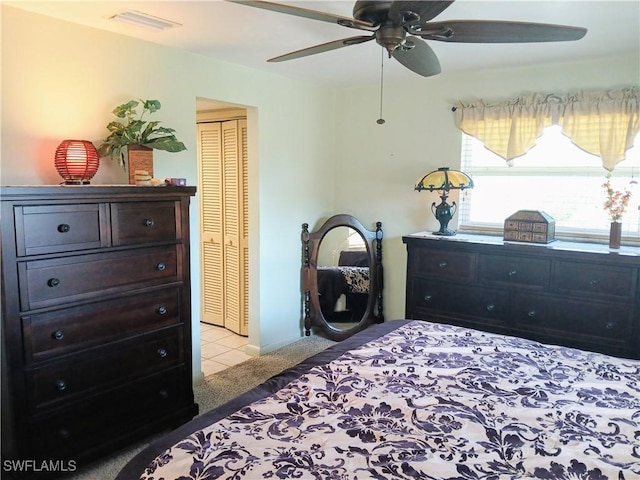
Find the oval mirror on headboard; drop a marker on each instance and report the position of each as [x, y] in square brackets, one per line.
[341, 277]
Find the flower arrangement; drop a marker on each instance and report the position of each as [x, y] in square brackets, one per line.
[616, 201]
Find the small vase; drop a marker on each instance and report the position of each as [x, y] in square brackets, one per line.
[615, 232]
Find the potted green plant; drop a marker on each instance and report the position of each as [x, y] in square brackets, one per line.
[137, 131]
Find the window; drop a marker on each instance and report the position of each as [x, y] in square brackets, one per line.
[355, 241]
[555, 176]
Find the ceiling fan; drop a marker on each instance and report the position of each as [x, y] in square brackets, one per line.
[401, 26]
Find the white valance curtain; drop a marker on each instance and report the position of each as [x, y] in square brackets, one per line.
[603, 123]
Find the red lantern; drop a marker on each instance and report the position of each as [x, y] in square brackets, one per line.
[77, 161]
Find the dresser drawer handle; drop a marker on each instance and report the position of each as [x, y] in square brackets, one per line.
[531, 313]
[513, 273]
[163, 394]
[162, 352]
[593, 282]
[491, 307]
[57, 335]
[148, 222]
[61, 385]
[63, 228]
[427, 298]
[53, 282]
[161, 266]
[610, 325]
[161, 310]
[442, 264]
[64, 433]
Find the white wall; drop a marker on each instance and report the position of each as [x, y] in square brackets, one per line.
[379, 165]
[61, 80]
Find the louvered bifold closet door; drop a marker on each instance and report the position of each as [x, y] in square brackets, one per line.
[232, 212]
[211, 212]
[225, 279]
[244, 233]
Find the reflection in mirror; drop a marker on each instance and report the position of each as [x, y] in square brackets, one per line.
[342, 276]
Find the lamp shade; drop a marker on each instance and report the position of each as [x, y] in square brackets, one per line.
[77, 161]
[445, 179]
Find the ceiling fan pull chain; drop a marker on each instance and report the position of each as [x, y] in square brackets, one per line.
[381, 120]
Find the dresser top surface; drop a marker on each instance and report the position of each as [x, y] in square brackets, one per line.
[556, 245]
[17, 192]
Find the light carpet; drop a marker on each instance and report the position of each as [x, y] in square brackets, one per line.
[215, 390]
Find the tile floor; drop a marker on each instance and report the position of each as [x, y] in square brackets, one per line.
[220, 348]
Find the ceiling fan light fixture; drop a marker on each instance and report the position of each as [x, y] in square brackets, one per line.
[141, 19]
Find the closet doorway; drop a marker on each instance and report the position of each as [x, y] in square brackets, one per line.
[224, 218]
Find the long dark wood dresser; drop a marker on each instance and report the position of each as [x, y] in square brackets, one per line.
[96, 320]
[579, 295]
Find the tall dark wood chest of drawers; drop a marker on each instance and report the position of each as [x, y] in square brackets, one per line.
[96, 318]
[571, 294]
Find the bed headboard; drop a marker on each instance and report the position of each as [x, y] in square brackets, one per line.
[353, 258]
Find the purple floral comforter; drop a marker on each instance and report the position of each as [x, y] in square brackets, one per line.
[430, 401]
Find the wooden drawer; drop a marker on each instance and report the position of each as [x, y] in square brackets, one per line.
[144, 222]
[58, 281]
[435, 296]
[44, 229]
[444, 265]
[80, 375]
[573, 319]
[73, 329]
[506, 271]
[110, 415]
[591, 280]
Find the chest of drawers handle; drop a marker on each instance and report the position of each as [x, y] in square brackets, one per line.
[491, 307]
[53, 282]
[163, 394]
[57, 335]
[442, 264]
[593, 282]
[64, 433]
[162, 310]
[161, 266]
[531, 313]
[162, 352]
[610, 325]
[63, 228]
[148, 222]
[427, 298]
[513, 273]
[61, 385]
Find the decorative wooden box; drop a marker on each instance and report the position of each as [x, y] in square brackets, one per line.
[533, 226]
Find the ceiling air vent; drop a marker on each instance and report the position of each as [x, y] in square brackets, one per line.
[143, 20]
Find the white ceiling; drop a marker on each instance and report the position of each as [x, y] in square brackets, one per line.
[249, 36]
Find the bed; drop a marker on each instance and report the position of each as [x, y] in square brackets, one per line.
[419, 400]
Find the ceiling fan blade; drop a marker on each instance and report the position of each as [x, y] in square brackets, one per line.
[409, 12]
[419, 58]
[325, 47]
[481, 31]
[307, 13]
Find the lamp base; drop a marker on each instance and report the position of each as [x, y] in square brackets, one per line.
[444, 213]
